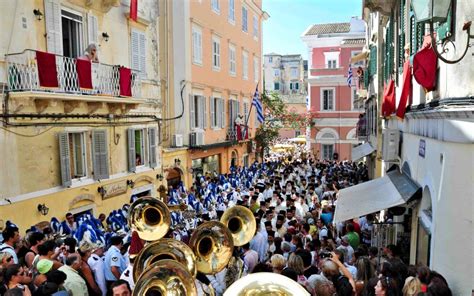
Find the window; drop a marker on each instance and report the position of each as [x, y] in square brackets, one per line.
[356, 103]
[255, 26]
[234, 110]
[72, 34]
[327, 96]
[270, 59]
[138, 51]
[277, 72]
[231, 17]
[216, 53]
[197, 45]
[78, 155]
[232, 62]
[294, 72]
[297, 86]
[215, 6]
[73, 156]
[142, 144]
[139, 147]
[217, 112]
[246, 111]
[256, 69]
[297, 133]
[328, 151]
[197, 108]
[276, 86]
[245, 65]
[332, 64]
[244, 19]
[331, 59]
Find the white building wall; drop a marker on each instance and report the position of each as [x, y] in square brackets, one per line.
[447, 170]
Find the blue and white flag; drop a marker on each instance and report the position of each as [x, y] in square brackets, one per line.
[258, 106]
[349, 76]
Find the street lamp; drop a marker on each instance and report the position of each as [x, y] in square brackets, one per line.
[437, 11]
[43, 209]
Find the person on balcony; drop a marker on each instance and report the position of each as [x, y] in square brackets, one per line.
[361, 126]
[90, 54]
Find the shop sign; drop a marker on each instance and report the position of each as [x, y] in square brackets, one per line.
[422, 148]
[114, 189]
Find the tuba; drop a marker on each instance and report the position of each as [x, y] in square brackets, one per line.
[265, 283]
[165, 277]
[151, 218]
[165, 248]
[213, 245]
[241, 223]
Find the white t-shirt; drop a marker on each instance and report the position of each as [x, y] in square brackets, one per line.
[9, 249]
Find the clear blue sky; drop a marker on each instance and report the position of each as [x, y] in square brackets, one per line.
[290, 18]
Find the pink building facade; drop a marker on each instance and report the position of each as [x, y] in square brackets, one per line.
[333, 99]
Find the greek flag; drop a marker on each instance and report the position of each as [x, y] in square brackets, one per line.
[258, 106]
[349, 76]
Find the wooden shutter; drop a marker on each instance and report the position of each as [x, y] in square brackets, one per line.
[152, 146]
[142, 53]
[64, 159]
[212, 111]
[192, 114]
[401, 34]
[231, 122]
[100, 156]
[52, 15]
[92, 28]
[135, 50]
[131, 150]
[204, 112]
[221, 112]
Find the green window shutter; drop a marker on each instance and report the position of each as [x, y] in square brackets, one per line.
[64, 159]
[444, 30]
[152, 146]
[413, 34]
[401, 34]
[391, 47]
[131, 150]
[373, 61]
[366, 79]
[100, 156]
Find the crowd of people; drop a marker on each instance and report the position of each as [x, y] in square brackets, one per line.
[293, 201]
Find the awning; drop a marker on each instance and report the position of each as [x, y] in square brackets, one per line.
[359, 57]
[392, 190]
[362, 150]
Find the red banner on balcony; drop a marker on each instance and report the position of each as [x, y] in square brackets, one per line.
[425, 64]
[406, 90]
[48, 75]
[134, 9]
[125, 82]
[389, 99]
[84, 73]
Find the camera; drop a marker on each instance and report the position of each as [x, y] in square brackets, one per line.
[324, 255]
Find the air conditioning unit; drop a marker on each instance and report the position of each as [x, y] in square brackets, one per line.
[196, 139]
[390, 145]
[177, 140]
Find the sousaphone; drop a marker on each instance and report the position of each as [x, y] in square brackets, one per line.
[165, 277]
[212, 245]
[165, 248]
[241, 223]
[265, 283]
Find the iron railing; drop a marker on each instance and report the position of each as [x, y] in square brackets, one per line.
[23, 76]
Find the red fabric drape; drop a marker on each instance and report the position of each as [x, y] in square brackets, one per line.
[406, 90]
[134, 9]
[125, 82]
[239, 132]
[425, 63]
[84, 73]
[48, 75]
[389, 99]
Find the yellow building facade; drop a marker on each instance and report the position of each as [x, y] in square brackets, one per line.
[68, 148]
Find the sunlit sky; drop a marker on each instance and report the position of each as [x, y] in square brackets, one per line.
[290, 18]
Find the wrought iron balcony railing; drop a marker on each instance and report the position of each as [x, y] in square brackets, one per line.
[23, 76]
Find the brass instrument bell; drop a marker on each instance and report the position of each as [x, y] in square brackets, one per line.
[241, 223]
[213, 245]
[150, 218]
[165, 277]
[165, 248]
[265, 283]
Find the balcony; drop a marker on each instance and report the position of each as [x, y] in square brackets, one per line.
[234, 136]
[361, 130]
[323, 70]
[23, 70]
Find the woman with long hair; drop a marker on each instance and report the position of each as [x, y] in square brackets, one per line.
[365, 271]
[386, 286]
